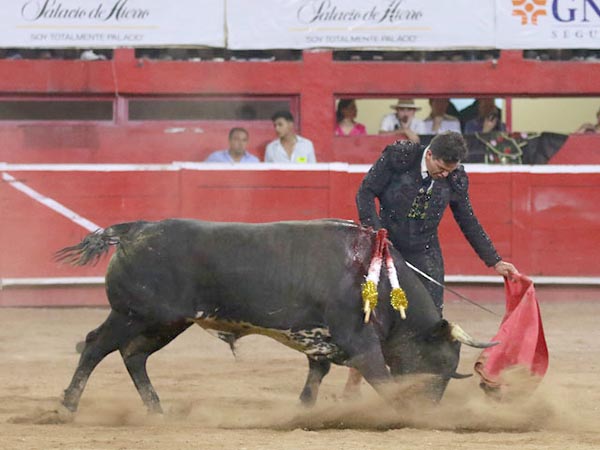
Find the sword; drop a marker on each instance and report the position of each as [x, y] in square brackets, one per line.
[459, 295]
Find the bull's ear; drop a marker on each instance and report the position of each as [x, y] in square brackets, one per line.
[440, 331]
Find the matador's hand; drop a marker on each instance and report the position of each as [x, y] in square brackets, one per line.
[506, 269]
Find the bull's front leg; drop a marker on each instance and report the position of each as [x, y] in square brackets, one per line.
[317, 369]
[365, 355]
[371, 365]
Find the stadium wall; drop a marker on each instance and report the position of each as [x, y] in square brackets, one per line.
[544, 218]
[312, 85]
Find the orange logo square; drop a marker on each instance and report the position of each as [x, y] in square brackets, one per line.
[529, 10]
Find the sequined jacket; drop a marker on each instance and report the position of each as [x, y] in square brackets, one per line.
[395, 180]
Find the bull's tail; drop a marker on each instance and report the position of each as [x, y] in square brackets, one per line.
[94, 246]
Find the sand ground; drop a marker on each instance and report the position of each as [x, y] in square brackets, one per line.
[214, 401]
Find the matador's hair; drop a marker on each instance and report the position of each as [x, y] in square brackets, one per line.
[450, 147]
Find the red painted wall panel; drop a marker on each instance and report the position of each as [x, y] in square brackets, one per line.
[30, 232]
[257, 196]
[546, 223]
[194, 141]
[316, 81]
[134, 143]
[579, 149]
[559, 225]
[492, 202]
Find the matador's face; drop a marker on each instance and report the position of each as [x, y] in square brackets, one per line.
[437, 167]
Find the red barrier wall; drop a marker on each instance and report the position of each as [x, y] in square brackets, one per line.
[150, 143]
[547, 223]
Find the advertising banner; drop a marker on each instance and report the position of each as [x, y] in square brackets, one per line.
[403, 24]
[531, 24]
[111, 23]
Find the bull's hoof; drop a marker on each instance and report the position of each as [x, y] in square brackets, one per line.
[307, 399]
[68, 403]
[154, 409]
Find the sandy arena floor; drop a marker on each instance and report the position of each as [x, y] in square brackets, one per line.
[214, 401]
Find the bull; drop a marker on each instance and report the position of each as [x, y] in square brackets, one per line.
[298, 282]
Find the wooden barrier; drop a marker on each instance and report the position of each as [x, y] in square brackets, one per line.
[545, 219]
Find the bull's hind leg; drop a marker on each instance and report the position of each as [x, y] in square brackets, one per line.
[105, 339]
[135, 354]
[317, 369]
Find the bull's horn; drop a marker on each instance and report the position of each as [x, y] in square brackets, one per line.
[460, 376]
[461, 335]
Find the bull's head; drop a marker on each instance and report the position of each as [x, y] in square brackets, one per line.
[435, 351]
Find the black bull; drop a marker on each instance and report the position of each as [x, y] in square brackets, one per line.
[296, 282]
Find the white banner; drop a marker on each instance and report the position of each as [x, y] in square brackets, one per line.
[111, 23]
[404, 24]
[522, 24]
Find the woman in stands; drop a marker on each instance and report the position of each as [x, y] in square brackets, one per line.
[345, 115]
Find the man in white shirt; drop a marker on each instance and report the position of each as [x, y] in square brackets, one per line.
[403, 121]
[288, 147]
[438, 121]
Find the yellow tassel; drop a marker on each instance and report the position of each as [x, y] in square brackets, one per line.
[398, 299]
[369, 296]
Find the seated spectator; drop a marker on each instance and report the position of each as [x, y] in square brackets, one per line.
[289, 147]
[236, 153]
[403, 121]
[11, 53]
[470, 112]
[488, 118]
[452, 111]
[345, 115]
[590, 127]
[438, 121]
[45, 54]
[90, 55]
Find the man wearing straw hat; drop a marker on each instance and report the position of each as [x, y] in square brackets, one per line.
[403, 121]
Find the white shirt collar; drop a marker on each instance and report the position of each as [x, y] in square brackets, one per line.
[424, 172]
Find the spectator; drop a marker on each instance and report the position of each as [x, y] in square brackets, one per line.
[12, 53]
[403, 121]
[90, 55]
[345, 115]
[289, 147]
[468, 113]
[438, 121]
[45, 54]
[236, 153]
[452, 111]
[488, 118]
[590, 127]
